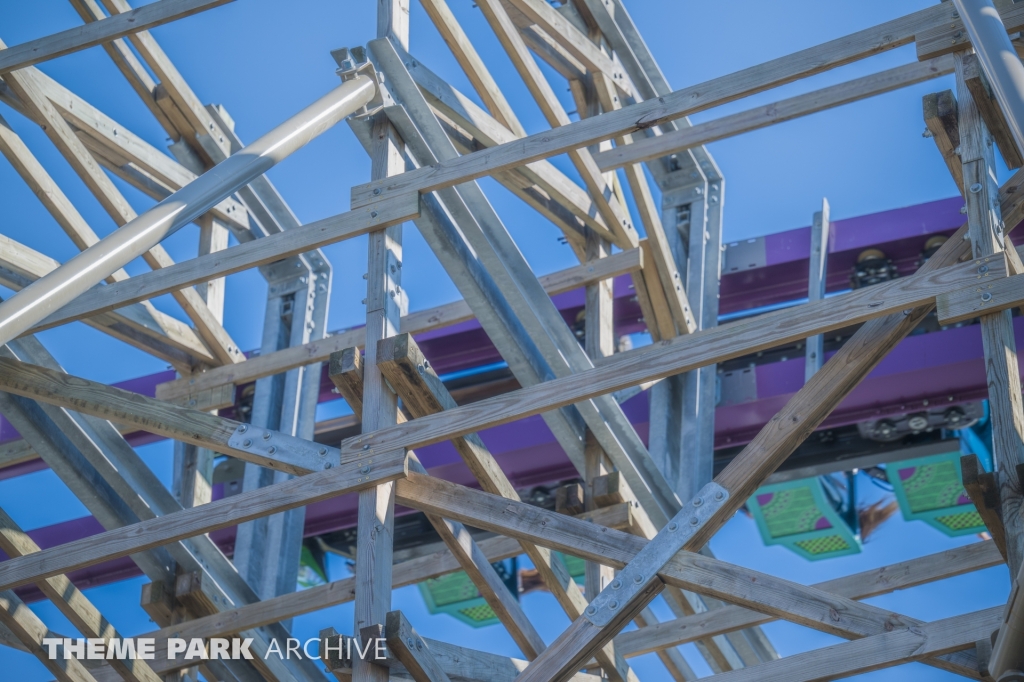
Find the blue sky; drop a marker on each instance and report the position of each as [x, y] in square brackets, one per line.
[265, 60]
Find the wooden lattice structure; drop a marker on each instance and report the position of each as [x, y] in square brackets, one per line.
[429, 144]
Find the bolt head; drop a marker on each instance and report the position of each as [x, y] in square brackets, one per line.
[366, 447]
[638, 579]
[986, 297]
[591, 610]
[694, 520]
[246, 442]
[267, 435]
[698, 501]
[271, 450]
[616, 584]
[672, 527]
[719, 496]
[613, 605]
[975, 188]
[373, 214]
[983, 269]
[322, 452]
[365, 469]
[243, 428]
[376, 191]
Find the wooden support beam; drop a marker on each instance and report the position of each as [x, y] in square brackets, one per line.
[473, 66]
[683, 102]
[615, 216]
[189, 425]
[33, 266]
[871, 583]
[990, 112]
[25, 85]
[663, 273]
[262, 251]
[27, 627]
[346, 372]
[70, 601]
[986, 228]
[902, 645]
[940, 117]
[983, 489]
[576, 42]
[407, 370]
[414, 323]
[82, 37]
[411, 649]
[788, 109]
[140, 325]
[687, 570]
[688, 352]
[457, 662]
[949, 35]
[347, 477]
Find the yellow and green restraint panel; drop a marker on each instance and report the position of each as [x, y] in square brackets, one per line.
[800, 516]
[931, 489]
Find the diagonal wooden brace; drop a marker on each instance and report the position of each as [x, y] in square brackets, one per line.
[634, 587]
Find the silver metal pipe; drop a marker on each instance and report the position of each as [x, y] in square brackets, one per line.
[50, 293]
[999, 61]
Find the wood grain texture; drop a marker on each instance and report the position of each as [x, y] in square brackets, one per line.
[683, 102]
[682, 354]
[186, 523]
[940, 117]
[809, 606]
[269, 249]
[904, 645]
[81, 37]
[412, 650]
[771, 114]
[71, 602]
[413, 323]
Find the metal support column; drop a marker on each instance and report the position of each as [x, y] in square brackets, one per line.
[267, 550]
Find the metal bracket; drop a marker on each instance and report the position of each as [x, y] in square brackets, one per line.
[353, 62]
[637, 576]
[295, 452]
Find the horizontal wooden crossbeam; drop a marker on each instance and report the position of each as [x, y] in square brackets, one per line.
[686, 353]
[349, 476]
[414, 323]
[81, 37]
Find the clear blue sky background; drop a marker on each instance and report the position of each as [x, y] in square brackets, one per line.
[264, 60]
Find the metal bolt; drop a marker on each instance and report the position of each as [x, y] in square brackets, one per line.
[616, 584]
[975, 188]
[694, 520]
[267, 435]
[983, 269]
[243, 428]
[366, 447]
[719, 496]
[373, 214]
[328, 465]
[246, 442]
[591, 610]
[698, 501]
[322, 452]
[365, 469]
[376, 191]
[672, 527]
[986, 297]
[271, 450]
[613, 605]
[638, 579]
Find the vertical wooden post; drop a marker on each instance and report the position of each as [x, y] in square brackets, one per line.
[986, 234]
[815, 354]
[599, 342]
[374, 534]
